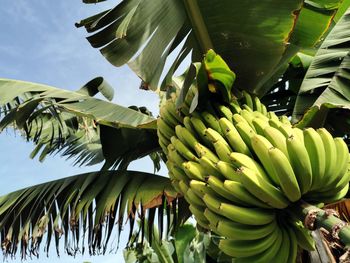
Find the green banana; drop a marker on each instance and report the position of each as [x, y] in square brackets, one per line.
[248, 116]
[247, 108]
[185, 136]
[170, 165]
[201, 188]
[298, 133]
[228, 171]
[171, 109]
[342, 159]
[304, 238]
[200, 218]
[211, 121]
[260, 115]
[213, 219]
[283, 252]
[240, 159]
[287, 130]
[175, 183]
[195, 199]
[248, 99]
[167, 116]
[275, 123]
[341, 194]
[222, 150]
[165, 128]
[179, 174]
[246, 132]
[264, 110]
[330, 149]
[194, 170]
[203, 151]
[208, 150]
[257, 104]
[235, 107]
[260, 125]
[329, 197]
[214, 136]
[285, 174]
[276, 138]
[261, 189]
[293, 246]
[163, 139]
[273, 116]
[188, 125]
[300, 161]
[261, 146]
[239, 214]
[200, 128]
[210, 167]
[182, 149]
[233, 138]
[237, 231]
[218, 186]
[184, 187]
[343, 181]
[284, 119]
[247, 248]
[184, 109]
[163, 142]
[240, 192]
[315, 148]
[237, 118]
[223, 111]
[174, 156]
[268, 255]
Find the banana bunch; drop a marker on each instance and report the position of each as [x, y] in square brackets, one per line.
[240, 167]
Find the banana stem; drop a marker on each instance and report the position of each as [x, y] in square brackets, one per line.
[198, 25]
[314, 218]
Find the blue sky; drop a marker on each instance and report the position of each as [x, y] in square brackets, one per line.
[40, 43]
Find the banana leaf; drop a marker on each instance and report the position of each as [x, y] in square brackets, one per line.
[85, 210]
[256, 38]
[327, 81]
[76, 125]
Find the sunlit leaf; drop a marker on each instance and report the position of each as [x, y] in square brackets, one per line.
[144, 33]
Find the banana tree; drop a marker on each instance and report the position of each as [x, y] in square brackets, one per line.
[81, 126]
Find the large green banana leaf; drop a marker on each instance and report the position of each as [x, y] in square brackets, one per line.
[77, 142]
[256, 38]
[85, 209]
[77, 125]
[24, 99]
[327, 82]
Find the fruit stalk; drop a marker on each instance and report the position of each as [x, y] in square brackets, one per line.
[315, 218]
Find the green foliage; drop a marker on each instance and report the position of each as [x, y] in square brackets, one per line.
[270, 49]
[86, 204]
[265, 36]
[327, 79]
[189, 245]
